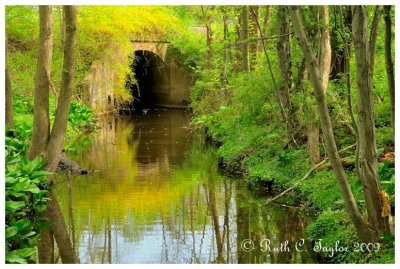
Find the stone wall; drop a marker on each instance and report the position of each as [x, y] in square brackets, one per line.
[99, 84]
[171, 86]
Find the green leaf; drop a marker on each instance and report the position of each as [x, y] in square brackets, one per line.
[16, 160]
[16, 194]
[11, 180]
[25, 252]
[40, 193]
[22, 225]
[28, 235]
[11, 231]
[38, 174]
[11, 257]
[13, 206]
[23, 184]
[33, 190]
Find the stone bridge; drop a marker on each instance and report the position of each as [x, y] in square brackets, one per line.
[161, 81]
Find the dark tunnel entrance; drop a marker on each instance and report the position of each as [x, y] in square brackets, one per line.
[151, 87]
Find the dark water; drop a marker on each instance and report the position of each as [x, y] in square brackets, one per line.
[158, 197]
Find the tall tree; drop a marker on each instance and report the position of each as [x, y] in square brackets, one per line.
[254, 34]
[224, 78]
[368, 161]
[373, 38]
[207, 17]
[347, 49]
[56, 142]
[245, 38]
[266, 21]
[41, 120]
[9, 98]
[320, 86]
[285, 66]
[389, 59]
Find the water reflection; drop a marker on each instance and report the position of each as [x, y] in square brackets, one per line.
[158, 198]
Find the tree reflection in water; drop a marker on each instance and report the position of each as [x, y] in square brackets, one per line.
[159, 198]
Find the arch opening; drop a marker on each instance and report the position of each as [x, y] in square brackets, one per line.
[152, 86]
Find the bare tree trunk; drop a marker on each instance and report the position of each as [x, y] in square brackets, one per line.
[285, 66]
[283, 48]
[224, 67]
[389, 59]
[238, 51]
[62, 27]
[245, 38]
[9, 99]
[346, 46]
[209, 47]
[56, 142]
[313, 139]
[41, 120]
[325, 48]
[372, 38]
[46, 247]
[209, 54]
[254, 34]
[266, 21]
[319, 92]
[368, 160]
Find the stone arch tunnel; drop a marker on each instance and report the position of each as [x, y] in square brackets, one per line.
[161, 81]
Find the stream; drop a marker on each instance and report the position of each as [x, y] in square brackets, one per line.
[159, 197]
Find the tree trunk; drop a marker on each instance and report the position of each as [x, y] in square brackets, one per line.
[209, 47]
[368, 159]
[266, 20]
[56, 142]
[245, 39]
[62, 27]
[325, 48]
[347, 49]
[373, 37]
[46, 246]
[238, 52]
[283, 48]
[319, 92]
[313, 140]
[389, 60]
[224, 67]
[209, 53]
[41, 120]
[285, 66]
[9, 99]
[254, 34]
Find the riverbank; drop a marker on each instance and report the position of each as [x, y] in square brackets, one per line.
[248, 151]
[27, 182]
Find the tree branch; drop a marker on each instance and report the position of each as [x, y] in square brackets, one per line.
[309, 172]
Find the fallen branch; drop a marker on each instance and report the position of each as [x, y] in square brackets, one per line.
[346, 162]
[309, 172]
[387, 157]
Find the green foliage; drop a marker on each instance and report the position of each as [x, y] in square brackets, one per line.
[322, 191]
[335, 227]
[387, 177]
[22, 105]
[25, 201]
[81, 116]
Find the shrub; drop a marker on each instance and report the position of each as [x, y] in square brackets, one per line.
[25, 197]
